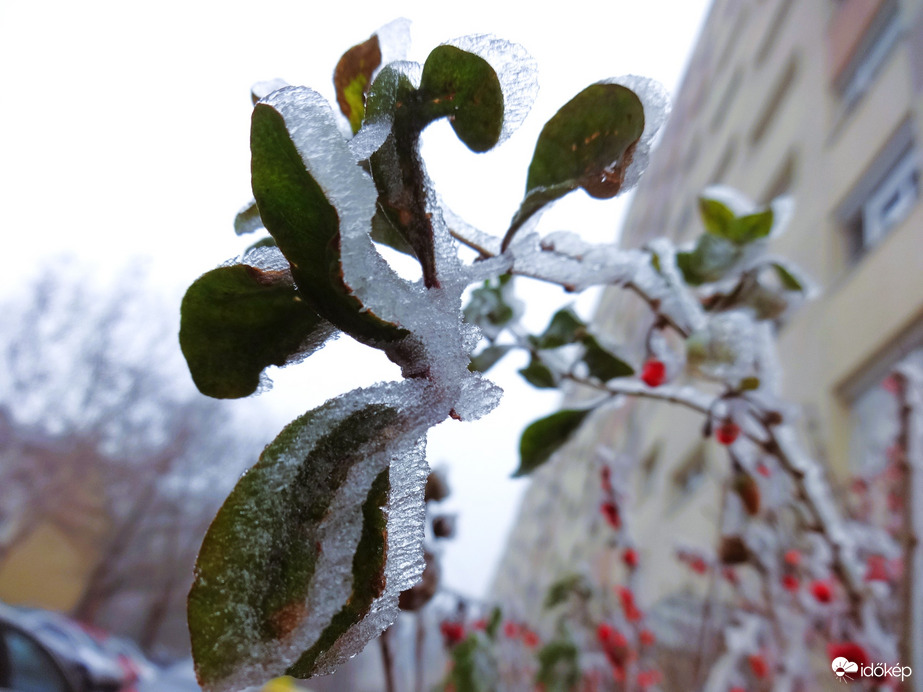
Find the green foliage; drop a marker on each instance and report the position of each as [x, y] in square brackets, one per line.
[561, 590]
[465, 88]
[474, 668]
[237, 320]
[305, 225]
[274, 518]
[545, 436]
[559, 666]
[587, 144]
[539, 375]
[564, 328]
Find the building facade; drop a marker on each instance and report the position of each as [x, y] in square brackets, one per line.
[819, 100]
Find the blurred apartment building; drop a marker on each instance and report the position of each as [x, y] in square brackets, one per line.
[822, 100]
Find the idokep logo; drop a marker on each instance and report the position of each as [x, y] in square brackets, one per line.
[845, 670]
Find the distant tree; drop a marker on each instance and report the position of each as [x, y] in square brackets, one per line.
[101, 434]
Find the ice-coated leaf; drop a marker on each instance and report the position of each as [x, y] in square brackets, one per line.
[488, 357]
[710, 260]
[352, 78]
[516, 70]
[492, 306]
[588, 143]
[545, 436]
[789, 281]
[304, 223]
[716, 217]
[737, 227]
[539, 375]
[264, 88]
[237, 320]
[248, 219]
[305, 560]
[564, 328]
[603, 364]
[465, 88]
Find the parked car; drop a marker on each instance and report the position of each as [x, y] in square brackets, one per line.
[40, 643]
[27, 665]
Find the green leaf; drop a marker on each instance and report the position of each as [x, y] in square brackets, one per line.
[493, 622]
[545, 436]
[789, 281]
[248, 219]
[746, 229]
[539, 375]
[602, 364]
[710, 260]
[558, 666]
[716, 217]
[465, 88]
[238, 320]
[588, 143]
[474, 668]
[561, 590]
[352, 78]
[749, 384]
[564, 328]
[489, 307]
[257, 573]
[305, 226]
[488, 357]
[720, 221]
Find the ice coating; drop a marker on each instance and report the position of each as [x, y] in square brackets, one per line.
[517, 71]
[340, 529]
[656, 102]
[264, 88]
[563, 257]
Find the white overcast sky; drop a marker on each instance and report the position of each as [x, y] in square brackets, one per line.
[124, 133]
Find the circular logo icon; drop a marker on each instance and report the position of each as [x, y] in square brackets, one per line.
[841, 666]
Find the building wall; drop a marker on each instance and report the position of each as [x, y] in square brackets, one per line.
[767, 106]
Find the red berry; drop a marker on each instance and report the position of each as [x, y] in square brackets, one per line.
[790, 583]
[530, 638]
[821, 590]
[630, 557]
[727, 432]
[646, 678]
[654, 373]
[611, 513]
[604, 632]
[698, 565]
[627, 597]
[758, 665]
[647, 638]
[848, 650]
[511, 630]
[730, 574]
[452, 632]
[763, 470]
[479, 625]
[792, 557]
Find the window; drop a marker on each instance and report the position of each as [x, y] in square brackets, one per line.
[875, 422]
[772, 33]
[777, 97]
[885, 196]
[871, 54]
